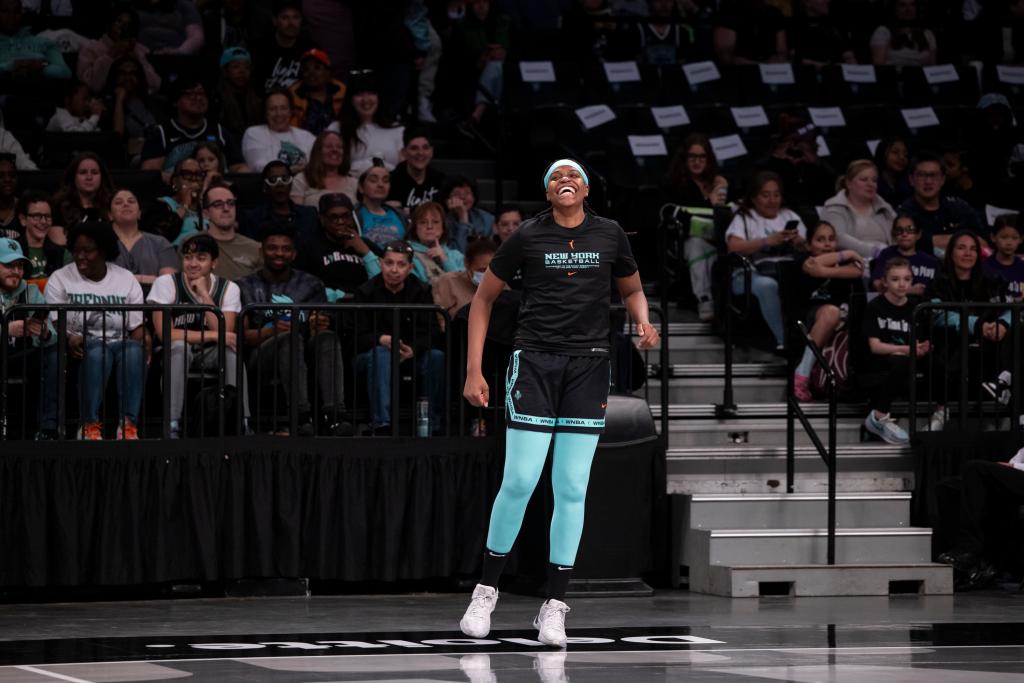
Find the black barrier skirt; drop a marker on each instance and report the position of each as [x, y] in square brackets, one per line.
[135, 513]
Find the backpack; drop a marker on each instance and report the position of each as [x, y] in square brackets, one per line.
[836, 353]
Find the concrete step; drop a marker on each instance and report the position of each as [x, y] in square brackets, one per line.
[794, 510]
[704, 353]
[758, 431]
[678, 328]
[816, 580]
[699, 389]
[746, 547]
[735, 482]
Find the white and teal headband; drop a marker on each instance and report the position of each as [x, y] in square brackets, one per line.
[565, 162]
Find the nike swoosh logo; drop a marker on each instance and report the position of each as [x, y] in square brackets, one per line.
[564, 569]
[571, 273]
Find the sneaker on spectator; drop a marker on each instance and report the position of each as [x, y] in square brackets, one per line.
[706, 310]
[175, 430]
[425, 111]
[338, 428]
[91, 431]
[937, 422]
[307, 429]
[802, 388]
[886, 429]
[47, 435]
[550, 623]
[1000, 388]
[127, 431]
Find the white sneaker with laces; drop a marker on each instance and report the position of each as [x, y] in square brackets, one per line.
[550, 623]
[477, 668]
[476, 622]
[886, 429]
[937, 422]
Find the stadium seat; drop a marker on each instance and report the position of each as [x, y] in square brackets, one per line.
[57, 149]
[523, 96]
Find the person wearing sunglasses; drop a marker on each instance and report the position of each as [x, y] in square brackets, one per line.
[277, 207]
[239, 255]
[923, 265]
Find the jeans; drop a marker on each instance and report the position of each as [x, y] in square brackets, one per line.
[766, 291]
[376, 364]
[93, 374]
[492, 78]
[273, 365]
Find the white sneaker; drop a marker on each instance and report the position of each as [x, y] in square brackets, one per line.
[477, 668]
[550, 666]
[937, 422]
[550, 623]
[476, 622]
[886, 429]
[1000, 389]
[706, 311]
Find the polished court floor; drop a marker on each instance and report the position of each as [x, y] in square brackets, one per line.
[673, 636]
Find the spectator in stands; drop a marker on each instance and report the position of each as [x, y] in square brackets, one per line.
[187, 186]
[765, 232]
[160, 219]
[862, 219]
[892, 159]
[240, 103]
[428, 56]
[589, 30]
[663, 39]
[143, 254]
[886, 324]
[35, 213]
[169, 143]
[126, 105]
[816, 38]
[938, 217]
[81, 111]
[279, 208]
[750, 32]
[239, 255]
[453, 291]
[278, 61]
[923, 265]
[9, 226]
[482, 39]
[100, 340]
[414, 180]
[998, 147]
[506, 221]
[194, 333]
[277, 139]
[267, 331]
[84, 194]
[809, 181]
[210, 157]
[465, 219]
[326, 172]
[905, 42]
[120, 40]
[956, 164]
[367, 134]
[432, 257]
[826, 281]
[317, 98]
[376, 336]
[337, 254]
[23, 55]
[9, 146]
[1004, 263]
[694, 182]
[378, 222]
[170, 27]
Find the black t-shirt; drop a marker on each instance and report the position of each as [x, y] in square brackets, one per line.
[815, 291]
[953, 214]
[567, 277]
[339, 267]
[276, 66]
[174, 142]
[888, 322]
[411, 194]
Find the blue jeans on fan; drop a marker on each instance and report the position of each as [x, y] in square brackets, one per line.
[100, 357]
[766, 291]
[376, 365]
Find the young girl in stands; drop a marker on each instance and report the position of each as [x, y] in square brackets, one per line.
[892, 156]
[886, 324]
[378, 222]
[827, 278]
[923, 265]
[1004, 263]
[211, 162]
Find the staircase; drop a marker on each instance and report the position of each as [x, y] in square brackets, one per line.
[739, 533]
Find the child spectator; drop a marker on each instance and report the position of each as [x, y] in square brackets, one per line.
[210, 157]
[923, 265]
[860, 216]
[170, 27]
[453, 291]
[827, 278]
[431, 255]
[326, 172]
[905, 42]
[121, 39]
[317, 97]
[26, 56]
[100, 340]
[938, 217]
[367, 134]
[35, 213]
[126, 103]
[194, 333]
[886, 324]
[186, 184]
[240, 103]
[465, 219]
[337, 254]
[892, 159]
[414, 180]
[268, 333]
[506, 221]
[239, 255]
[956, 164]
[9, 227]
[277, 139]
[378, 222]
[143, 254]
[81, 111]
[1004, 262]
[278, 60]
[84, 194]
[278, 207]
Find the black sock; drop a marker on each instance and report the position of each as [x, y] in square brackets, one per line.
[494, 565]
[558, 581]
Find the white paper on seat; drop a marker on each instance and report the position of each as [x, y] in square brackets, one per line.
[670, 117]
[1011, 74]
[537, 72]
[920, 117]
[777, 74]
[827, 117]
[993, 212]
[859, 73]
[941, 73]
[622, 72]
[823, 150]
[749, 117]
[648, 145]
[595, 115]
[873, 145]
[701, 72]
[728, 147]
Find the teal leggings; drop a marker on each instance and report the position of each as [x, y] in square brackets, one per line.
[525, 454]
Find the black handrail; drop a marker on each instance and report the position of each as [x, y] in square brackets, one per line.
[727, 408]
[794, 411]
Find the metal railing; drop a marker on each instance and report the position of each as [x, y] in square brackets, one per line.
[828, 453]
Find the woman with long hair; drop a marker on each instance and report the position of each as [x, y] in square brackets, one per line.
[126, 97]
[892, 159]
[862, 219]
[326, 172]
[84, 195]
[378, 222]
[905, 41]
[367, 134]
[210, 156]
[240, 103]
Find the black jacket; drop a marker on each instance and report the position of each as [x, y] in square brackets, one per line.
[416, 328]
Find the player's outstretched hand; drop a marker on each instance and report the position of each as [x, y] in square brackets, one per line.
[476, 391]
[648, 336]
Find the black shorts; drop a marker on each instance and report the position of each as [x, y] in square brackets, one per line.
[547, 392]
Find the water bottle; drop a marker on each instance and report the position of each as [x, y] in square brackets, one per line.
[422, 417]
